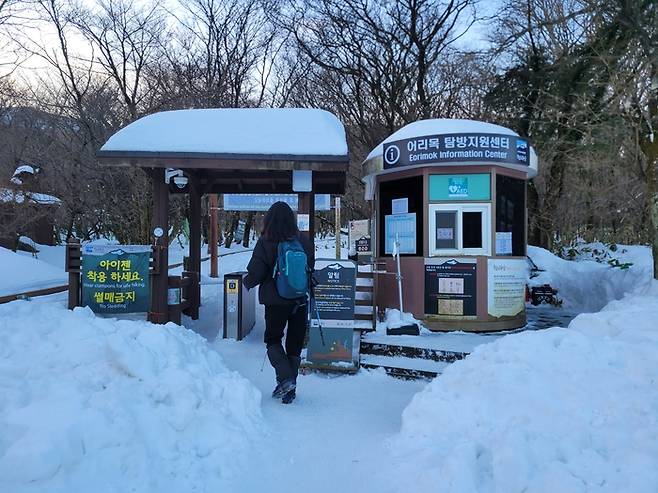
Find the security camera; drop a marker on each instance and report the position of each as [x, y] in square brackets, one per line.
[180, 181]
[178, 177]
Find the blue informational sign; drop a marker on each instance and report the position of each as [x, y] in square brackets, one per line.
[262, 202]
[402, 227]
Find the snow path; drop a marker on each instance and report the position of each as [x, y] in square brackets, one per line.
[332, 438]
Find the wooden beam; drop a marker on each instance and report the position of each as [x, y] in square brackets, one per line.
[212, 242]
[195, 245]
[159, 312]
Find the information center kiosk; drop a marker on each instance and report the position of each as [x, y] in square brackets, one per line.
[452, 194]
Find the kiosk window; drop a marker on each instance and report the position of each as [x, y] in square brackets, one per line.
[472, 236]
[460, 229]
[446, 229]
[510, 213]
[411, 190]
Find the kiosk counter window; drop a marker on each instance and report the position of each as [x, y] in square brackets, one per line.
[459, 229]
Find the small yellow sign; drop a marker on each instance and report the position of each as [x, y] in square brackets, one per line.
[231, 287]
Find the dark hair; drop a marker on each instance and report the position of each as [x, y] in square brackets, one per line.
[279, 223]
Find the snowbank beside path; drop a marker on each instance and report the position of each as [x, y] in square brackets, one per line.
[586, 285]
[95, 404]
[21, 273]
[568, 410]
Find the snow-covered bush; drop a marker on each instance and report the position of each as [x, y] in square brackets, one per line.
[560, 410]
[94, 404]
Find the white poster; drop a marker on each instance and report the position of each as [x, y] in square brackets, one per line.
[303, 222]
[400, 206]
[506, 286]
[503, 243]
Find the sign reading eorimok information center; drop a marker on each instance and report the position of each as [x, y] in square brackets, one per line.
[115, 278]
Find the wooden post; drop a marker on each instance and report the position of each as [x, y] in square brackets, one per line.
[337, 225]
[306, 205]
[213, 235]
[74, 268]
[195, 247]
[160, 219]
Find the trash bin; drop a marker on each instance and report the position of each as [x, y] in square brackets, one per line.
[239, 307]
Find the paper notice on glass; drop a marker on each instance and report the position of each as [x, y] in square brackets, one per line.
[503, 243]
[445, 233]
[451, 285]
[400, 206]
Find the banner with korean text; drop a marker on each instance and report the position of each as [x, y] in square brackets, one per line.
[115, 278]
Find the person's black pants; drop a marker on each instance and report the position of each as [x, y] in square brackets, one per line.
[276, 318]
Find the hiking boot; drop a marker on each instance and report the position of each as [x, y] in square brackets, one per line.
[289, 396]
[284, 388]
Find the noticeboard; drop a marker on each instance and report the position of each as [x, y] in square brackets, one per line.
[403, 228]
[115, 278]
[333, 303]
[457, 147]
[334, 293]
[450, 287]
[506, 286]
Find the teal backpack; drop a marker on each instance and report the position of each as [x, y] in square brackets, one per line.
[291, 270]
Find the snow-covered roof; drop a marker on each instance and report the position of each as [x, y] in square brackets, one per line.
[444, 126]
[234, 131]
[437, 127]
[8, 195]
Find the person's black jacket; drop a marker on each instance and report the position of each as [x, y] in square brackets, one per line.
[261, 270]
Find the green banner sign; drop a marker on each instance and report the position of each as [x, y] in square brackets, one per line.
[115, 278]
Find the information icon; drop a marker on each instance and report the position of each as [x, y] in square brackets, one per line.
[392, 154]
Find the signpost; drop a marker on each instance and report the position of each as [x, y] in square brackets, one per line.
[331, 337]
[115, 278]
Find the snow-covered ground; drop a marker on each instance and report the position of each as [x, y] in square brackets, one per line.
[97, 404]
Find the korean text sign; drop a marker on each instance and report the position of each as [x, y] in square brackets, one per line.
[115, 278]
[463, 147]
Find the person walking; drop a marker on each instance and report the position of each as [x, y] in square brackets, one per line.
[281, 265]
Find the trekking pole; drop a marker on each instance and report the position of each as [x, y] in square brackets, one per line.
[317, 313]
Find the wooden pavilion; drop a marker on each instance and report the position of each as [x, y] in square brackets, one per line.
[216, 151]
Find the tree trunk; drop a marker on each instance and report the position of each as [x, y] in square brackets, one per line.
[650, 151]
[247, 229]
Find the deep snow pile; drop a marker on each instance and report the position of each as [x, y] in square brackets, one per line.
[94, 404]
[587, 286]
[568, 410]
[21, 273]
